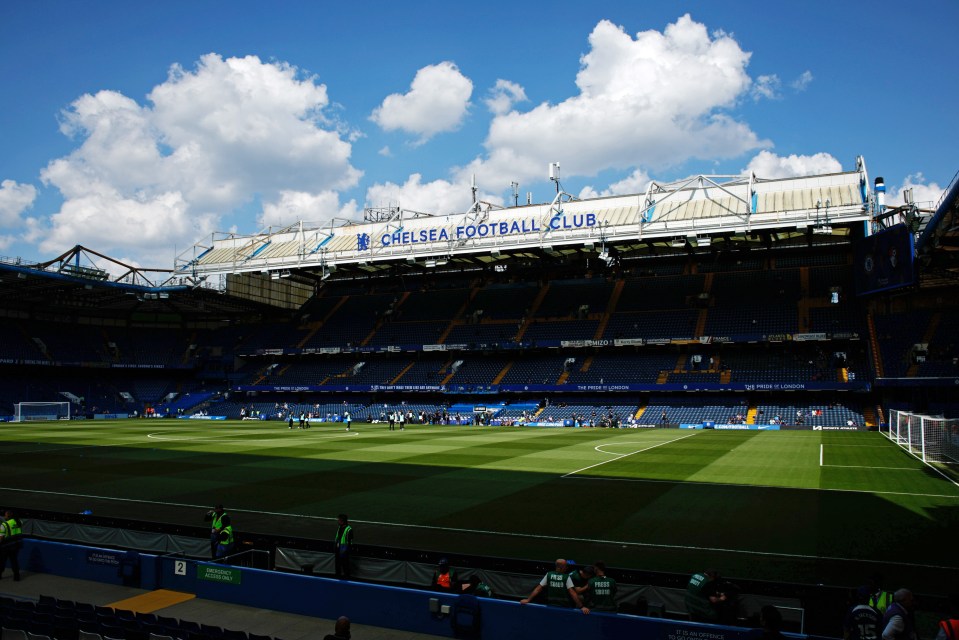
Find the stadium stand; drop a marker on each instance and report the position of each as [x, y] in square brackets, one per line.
[755, 328]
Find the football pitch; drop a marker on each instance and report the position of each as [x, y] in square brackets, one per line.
[800, 506]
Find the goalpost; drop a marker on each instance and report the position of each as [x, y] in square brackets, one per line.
[32, 411]
[929, 438]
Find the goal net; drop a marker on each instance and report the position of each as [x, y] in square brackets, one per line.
[30, 411]
[929, 438]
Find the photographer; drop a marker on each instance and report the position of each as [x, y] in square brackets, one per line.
[708, 599]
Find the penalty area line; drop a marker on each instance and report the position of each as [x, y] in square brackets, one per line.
[623, 455]
[760, 486]
[860, 466]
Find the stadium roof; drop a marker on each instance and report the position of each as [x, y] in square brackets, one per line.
[82, 280]
[938, 246]
[692, 214]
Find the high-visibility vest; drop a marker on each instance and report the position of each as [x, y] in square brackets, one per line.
[344, 537]
[950, 628]
[880, 601]
[228, 539]
[13, 527]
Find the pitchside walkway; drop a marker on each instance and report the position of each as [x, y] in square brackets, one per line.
[285, 626]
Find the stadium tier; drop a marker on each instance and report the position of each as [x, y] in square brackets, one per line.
[754, 325]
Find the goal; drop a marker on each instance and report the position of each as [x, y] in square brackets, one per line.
[31, 411]
[929, 438]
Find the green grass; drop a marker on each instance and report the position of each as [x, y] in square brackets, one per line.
[755, 504]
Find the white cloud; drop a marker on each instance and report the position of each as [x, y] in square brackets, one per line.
[803, 81]
[925, 195]
[767, 87]
[769, 165]
[437, 101]
[146, 177]
[293, 206]
[439, 197]
[15, 199]
[636, 182]
[385, 152]
[655, 99]
[503, 96]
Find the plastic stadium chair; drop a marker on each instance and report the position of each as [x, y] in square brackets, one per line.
[66, 632]
[211, 631]
[87, 635]
[112, 632]
[14, 634]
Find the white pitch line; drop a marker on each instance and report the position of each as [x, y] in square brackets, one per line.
[623, 455]
[860, 466]
[507, 534]
[239, 438]
[600, 449]
[757, 486]
[861, 446]
[820, 455]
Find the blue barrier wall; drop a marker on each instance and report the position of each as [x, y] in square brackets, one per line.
[368, 604]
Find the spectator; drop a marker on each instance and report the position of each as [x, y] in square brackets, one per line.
[444, 578]
[343, 545]
[477, 587]
[862, 620]
[11, 532]
[949, 627]
[215, 517]
[771, 622]
[705, 599]
[581, 577]
[899, 622]
[341, 631]
[601, 589]
[559, 588]
[225, 539]
[880, 599]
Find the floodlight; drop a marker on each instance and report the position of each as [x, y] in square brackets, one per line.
[704, 241]
[678, 243]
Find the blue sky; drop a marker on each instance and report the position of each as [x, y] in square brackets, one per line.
[138, 129]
